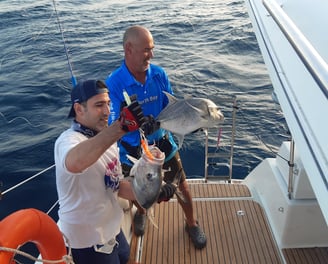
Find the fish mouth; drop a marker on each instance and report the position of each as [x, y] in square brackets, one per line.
[220, 115]
[216, 112]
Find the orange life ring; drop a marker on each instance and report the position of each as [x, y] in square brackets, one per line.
[31, 225]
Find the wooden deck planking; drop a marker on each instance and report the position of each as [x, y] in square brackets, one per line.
[237, 232]
[207, 190]
[232, 238]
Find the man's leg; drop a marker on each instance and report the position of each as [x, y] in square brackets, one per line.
[139, 220]
[196, 234]
[176, 171]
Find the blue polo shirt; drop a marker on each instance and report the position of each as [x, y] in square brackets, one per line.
[149, 95]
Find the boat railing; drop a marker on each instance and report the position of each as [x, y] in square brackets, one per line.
[312, 60]
[40, 173]
[218, 159]
[27, 180]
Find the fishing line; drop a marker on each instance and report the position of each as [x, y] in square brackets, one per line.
[73, 79]
[19, 117]
[24, 44]
[261, 140]
[35, 37]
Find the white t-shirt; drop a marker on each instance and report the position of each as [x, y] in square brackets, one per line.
[89, 213]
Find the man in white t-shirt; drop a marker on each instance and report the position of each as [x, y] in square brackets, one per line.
[89, 177]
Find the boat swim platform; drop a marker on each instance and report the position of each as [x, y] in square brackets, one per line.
[236, 228]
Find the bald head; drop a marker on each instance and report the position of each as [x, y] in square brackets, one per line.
[136, 33]
[138, 47]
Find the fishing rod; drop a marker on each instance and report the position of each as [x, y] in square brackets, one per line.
[73, 78]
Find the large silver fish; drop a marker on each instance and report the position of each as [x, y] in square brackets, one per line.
[147, 176]
[183, 116]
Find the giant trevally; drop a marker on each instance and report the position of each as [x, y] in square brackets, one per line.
[184, 116]
[147, 175]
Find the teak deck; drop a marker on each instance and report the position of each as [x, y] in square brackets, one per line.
[236, 229]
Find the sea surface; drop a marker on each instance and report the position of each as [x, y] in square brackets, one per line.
[208, 49]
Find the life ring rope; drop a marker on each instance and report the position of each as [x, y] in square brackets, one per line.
[67, 258]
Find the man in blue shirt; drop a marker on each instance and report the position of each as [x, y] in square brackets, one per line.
[138, 76]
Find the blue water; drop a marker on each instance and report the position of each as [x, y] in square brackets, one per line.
[208, 49]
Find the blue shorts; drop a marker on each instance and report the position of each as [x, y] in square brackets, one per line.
[119, 255]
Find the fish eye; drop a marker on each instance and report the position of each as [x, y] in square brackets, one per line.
[149, 176]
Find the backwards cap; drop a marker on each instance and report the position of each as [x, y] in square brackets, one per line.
[85, 90]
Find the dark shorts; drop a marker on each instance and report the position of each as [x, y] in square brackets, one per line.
[173, 166]
[119, 255]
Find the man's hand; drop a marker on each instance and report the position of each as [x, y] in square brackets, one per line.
[166, 193]
[150, 125]
[131, 116]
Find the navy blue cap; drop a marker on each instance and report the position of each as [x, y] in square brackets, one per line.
[85, 90]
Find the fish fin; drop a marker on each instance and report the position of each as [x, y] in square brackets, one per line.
[180, 140]
[151, 216]
[132, 159]
[170, 97]
[180, 196]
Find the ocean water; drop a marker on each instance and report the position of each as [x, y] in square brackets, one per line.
[208, 49]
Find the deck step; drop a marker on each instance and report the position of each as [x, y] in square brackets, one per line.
[317, 255]
[215, 190]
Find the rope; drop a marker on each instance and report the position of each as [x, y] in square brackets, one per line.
[52, 207]
[261, 140]
[32, 177]
[67, 258]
